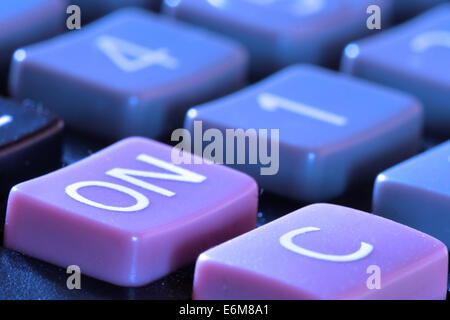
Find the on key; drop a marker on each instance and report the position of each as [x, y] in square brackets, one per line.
[30, 143]
[26, 21]
[309, 133]
[130, 73]
[417, 193]
[278, 33]
[325, 252]
[128, 214]
[414, 57]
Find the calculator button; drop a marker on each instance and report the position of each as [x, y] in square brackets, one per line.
[325, 252]
[130, 73]
[413, 57]
[30, 143]
[326, 131]
[26, 21]
[417, 192]
[278, 33]
[127, 214]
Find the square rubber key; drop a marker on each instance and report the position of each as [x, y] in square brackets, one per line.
[128, 215]
[30, 143]
[278, 33]
[413, 57]
[417, 193]
[325, 252]
[26, 21]
[129, 73]
[333, 131]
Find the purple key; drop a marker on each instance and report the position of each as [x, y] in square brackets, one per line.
[127, 214]
[325, 251]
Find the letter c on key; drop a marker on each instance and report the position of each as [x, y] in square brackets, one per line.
[286, 241]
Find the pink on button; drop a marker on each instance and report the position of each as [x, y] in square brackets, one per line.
[325, 251]
[129, 215]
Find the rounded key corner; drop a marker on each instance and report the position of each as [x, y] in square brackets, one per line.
[19, 55]
[321, 205]
[381, 178]
[240, 54]
[203, 257]
[394, 177]
[59, 125]
[191, 115]
[15, 190]
[417, 106]
[134, 139]
[442, 245]
[253, 184]
[250, 184]
[296, 68]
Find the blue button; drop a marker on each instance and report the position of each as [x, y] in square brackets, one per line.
[130, 73]
[333, 130]
[417, 193]
[414, 57]
[26, 21]
[278, 33]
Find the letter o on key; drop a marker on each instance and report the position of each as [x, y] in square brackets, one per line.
[286, 241]
[141, 200]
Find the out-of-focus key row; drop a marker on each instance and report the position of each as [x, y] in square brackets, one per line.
[140, 72]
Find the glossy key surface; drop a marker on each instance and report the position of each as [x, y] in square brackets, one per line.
[413, 57]
[417, 192]
[278, 33]
[325, 252]
[30, 143]
[130, 73]
[128, 215]
[332, 130]
[26, 21]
